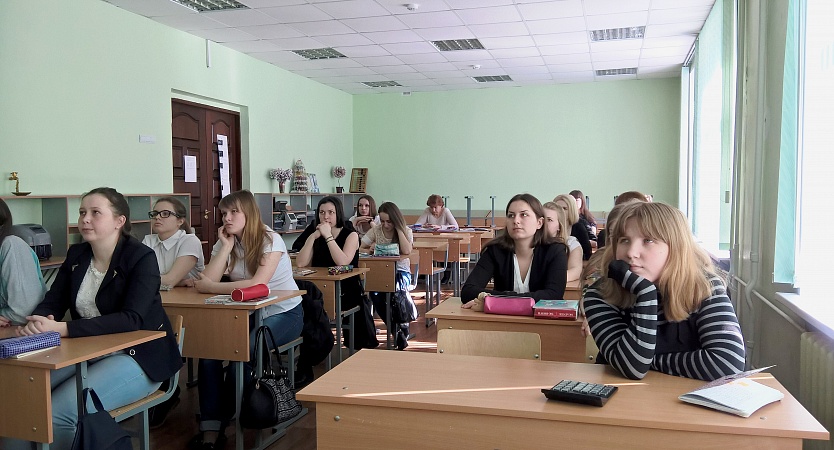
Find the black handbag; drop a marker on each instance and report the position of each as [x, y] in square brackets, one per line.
[98, 430]
[403, 309]
[269, 399]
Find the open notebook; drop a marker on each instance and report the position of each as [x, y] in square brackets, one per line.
[734, 394]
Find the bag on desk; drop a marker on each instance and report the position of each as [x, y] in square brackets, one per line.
[509, 305]
[98, 430]
[14, 346]
[387, 249]
[269, 399]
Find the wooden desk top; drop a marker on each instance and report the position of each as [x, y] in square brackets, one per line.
[447, 236]
[382, 258]
[432, 245]
[321, 274]
[52, 263]
[187, 297]
[450, 309]
[573, 286]
[511, 388]
[76, 350]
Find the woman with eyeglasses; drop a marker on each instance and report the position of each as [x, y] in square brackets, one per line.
[178, 252]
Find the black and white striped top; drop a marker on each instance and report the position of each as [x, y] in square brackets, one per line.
[706, 346]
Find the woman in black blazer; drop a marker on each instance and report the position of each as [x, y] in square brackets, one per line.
[110, 284]
[523, 260]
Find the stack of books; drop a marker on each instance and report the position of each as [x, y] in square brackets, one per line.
[556, 309]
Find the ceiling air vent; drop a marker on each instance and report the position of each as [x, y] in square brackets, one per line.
[491, 78]
[380, 84]
[615, 34]
[212, 5]
[458, 44]
[611, 72]
[319, 53]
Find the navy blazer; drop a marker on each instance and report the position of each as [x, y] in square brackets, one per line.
[128, 300]
[548, 272]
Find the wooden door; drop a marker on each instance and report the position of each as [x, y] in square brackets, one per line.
[194, 131]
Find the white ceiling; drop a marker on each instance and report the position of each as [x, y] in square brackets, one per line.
[534, 42]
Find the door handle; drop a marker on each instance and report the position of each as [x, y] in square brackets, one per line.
[205, 216]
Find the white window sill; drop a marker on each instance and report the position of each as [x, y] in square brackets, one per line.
[816, 310]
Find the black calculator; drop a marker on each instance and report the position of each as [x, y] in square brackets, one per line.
[580, 392]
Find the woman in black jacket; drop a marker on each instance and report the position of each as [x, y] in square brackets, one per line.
[109, 284]
[521, 261]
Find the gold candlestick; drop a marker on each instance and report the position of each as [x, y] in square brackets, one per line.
[16, 180]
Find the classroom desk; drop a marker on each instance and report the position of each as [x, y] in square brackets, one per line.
[426, 250]
[573, 291]
[219, 332]
[382, 278]
[331, 289]
[26, 381]
[561, 339]
[482, 402]
[455, 239]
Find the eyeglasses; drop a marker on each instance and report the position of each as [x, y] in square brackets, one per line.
[164, 214]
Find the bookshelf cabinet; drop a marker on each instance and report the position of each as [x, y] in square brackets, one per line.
[58, 214]
[300, 204]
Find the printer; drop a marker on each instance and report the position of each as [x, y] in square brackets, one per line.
[36, 237]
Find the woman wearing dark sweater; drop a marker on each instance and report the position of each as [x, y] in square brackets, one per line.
[523, 260]
[578, 229]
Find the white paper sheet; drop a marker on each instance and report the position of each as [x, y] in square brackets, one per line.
[223, 155]
[190, 167]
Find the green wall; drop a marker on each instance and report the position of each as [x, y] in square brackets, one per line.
[80, 80]
[602, 138]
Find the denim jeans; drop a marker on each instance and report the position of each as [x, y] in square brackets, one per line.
[216, 384]
[117, 379]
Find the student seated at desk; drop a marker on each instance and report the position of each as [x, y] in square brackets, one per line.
[21, 282]
[392, 230]
[178, 252]
[335, 243]
[365, 217]
[436, 215]
[627, 196]
[585, 216]
[524, 260]
[577, 230]
[250, 253]
[558, 229]
[110, 284]
[673, 315]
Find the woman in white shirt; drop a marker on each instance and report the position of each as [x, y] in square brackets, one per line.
[436, 215]
[179, 253]
[556, 222]
[365, 217]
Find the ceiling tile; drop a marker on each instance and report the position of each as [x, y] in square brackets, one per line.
[539, 67]
[423, 58]
[521, 62]
[276, 31]
[251, 46]
[576, 37]
[572, 58]
[620, 55]
[404, 72]
[665, 61]
[444, 74]
[464, 4]
[485, 64]
[508, 42]
[566, 49]
[578, 67]
[499, 30]
[270, 3]
[673, 29]
[277, 56]
[440, 34]
[398, 6]
[352, 9]
[372, 24]
[663, 52]
[373, 61]
[658, 16]
[224, 35]
[363, 51]
[434, 67]
[606, 21]
[423, 82]
[241, 17]
[296, 13]
[574, 77]
[188, 22]
[551, 10]
[347, 71]
[594, 7]
[454, 81]
[327, 27]
[431, 20]
[613, 46]
[665, 4]
[551, 26]
[301, 43]
[393, 37]
[344, 40]
[614, 64]
[670, 41]
[152, 8]
[410, 48]
[468, 55]
[496, 14]
[527, 76]
[514, 52]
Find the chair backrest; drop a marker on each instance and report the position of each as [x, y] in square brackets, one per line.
[503, 344]
[176, 325]
[414, 259]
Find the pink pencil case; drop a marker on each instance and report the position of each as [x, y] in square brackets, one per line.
[250, 293]
[509, 305]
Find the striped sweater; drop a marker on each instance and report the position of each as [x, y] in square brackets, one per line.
[631, 340]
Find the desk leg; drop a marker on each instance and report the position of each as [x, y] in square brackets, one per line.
[338, 292]
[238, 369]
[388, 324]
[456, 277]
[80, 385]
[429, 295]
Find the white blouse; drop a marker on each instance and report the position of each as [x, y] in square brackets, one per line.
[85, 301]
[520, 285]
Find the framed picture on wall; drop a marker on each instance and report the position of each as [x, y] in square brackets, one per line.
[314, 183]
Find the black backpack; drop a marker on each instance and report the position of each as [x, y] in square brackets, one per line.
[317, 334]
